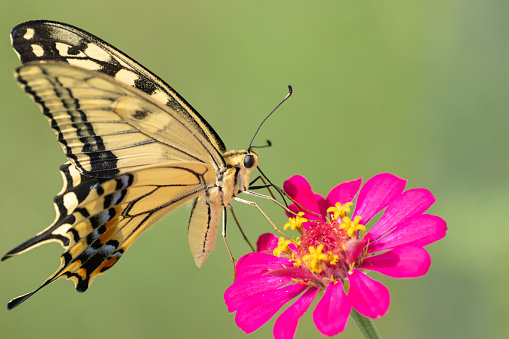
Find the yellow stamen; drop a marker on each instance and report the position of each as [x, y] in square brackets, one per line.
[296, 222]
[333, 258]
[334, 281]
[314, 257]
[296, 261]
[282, 247]
[351, 227]
[340, 211]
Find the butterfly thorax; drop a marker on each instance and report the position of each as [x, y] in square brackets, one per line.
[235, 178]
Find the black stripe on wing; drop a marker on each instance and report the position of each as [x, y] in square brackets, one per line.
[103, 161]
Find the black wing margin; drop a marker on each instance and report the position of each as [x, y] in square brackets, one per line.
[43, 40]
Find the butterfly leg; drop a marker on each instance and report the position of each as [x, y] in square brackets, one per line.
[269, 198]
[240, 228]
[252, 203]
[280, 204]
[223, 234]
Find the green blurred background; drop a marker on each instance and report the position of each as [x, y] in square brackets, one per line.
[416, 88]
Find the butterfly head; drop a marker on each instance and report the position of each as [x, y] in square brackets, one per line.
[242, 163]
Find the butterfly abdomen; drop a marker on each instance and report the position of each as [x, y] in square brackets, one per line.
[203, 223]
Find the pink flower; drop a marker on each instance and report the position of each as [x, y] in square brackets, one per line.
[333, 254]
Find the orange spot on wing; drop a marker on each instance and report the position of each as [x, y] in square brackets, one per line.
[107, 264]
[82, 273]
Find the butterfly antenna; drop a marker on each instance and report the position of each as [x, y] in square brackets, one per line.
[290, 90]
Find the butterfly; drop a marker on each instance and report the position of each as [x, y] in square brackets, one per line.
[135, 148]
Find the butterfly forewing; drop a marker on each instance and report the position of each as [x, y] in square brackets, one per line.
[43, 40]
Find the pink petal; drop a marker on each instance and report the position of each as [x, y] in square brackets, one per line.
[344, 192]
[407, 205]
[332, 311]
[418, 231]
[267, 242]
[376, 194]
[298, 188]
[400, 262]
[257, 309]
[369, 297]
[353, 249]
[256, 263]
[322, 205]
[286, 324]
[236, 294]
[293, 273]
[313, 217]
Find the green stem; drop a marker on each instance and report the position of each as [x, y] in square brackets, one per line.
[365, 325]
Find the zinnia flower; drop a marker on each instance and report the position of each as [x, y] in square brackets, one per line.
[333, 253]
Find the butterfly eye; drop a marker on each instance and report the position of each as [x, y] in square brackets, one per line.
[249, 161]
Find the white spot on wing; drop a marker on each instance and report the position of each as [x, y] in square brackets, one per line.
[127, 77]
[38, 51]
[86, 64]
[96, 52]
[70, 201]
[160, 96]
[62, 230]
[63, 50]
[29, 34]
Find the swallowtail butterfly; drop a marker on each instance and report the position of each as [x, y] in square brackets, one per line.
[135, 148]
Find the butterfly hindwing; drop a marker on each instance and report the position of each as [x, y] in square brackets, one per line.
[96, 228]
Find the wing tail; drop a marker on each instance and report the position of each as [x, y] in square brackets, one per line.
[18, 300]
[35, 241]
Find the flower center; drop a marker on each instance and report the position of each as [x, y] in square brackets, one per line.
[324, 247]
[313, 258]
